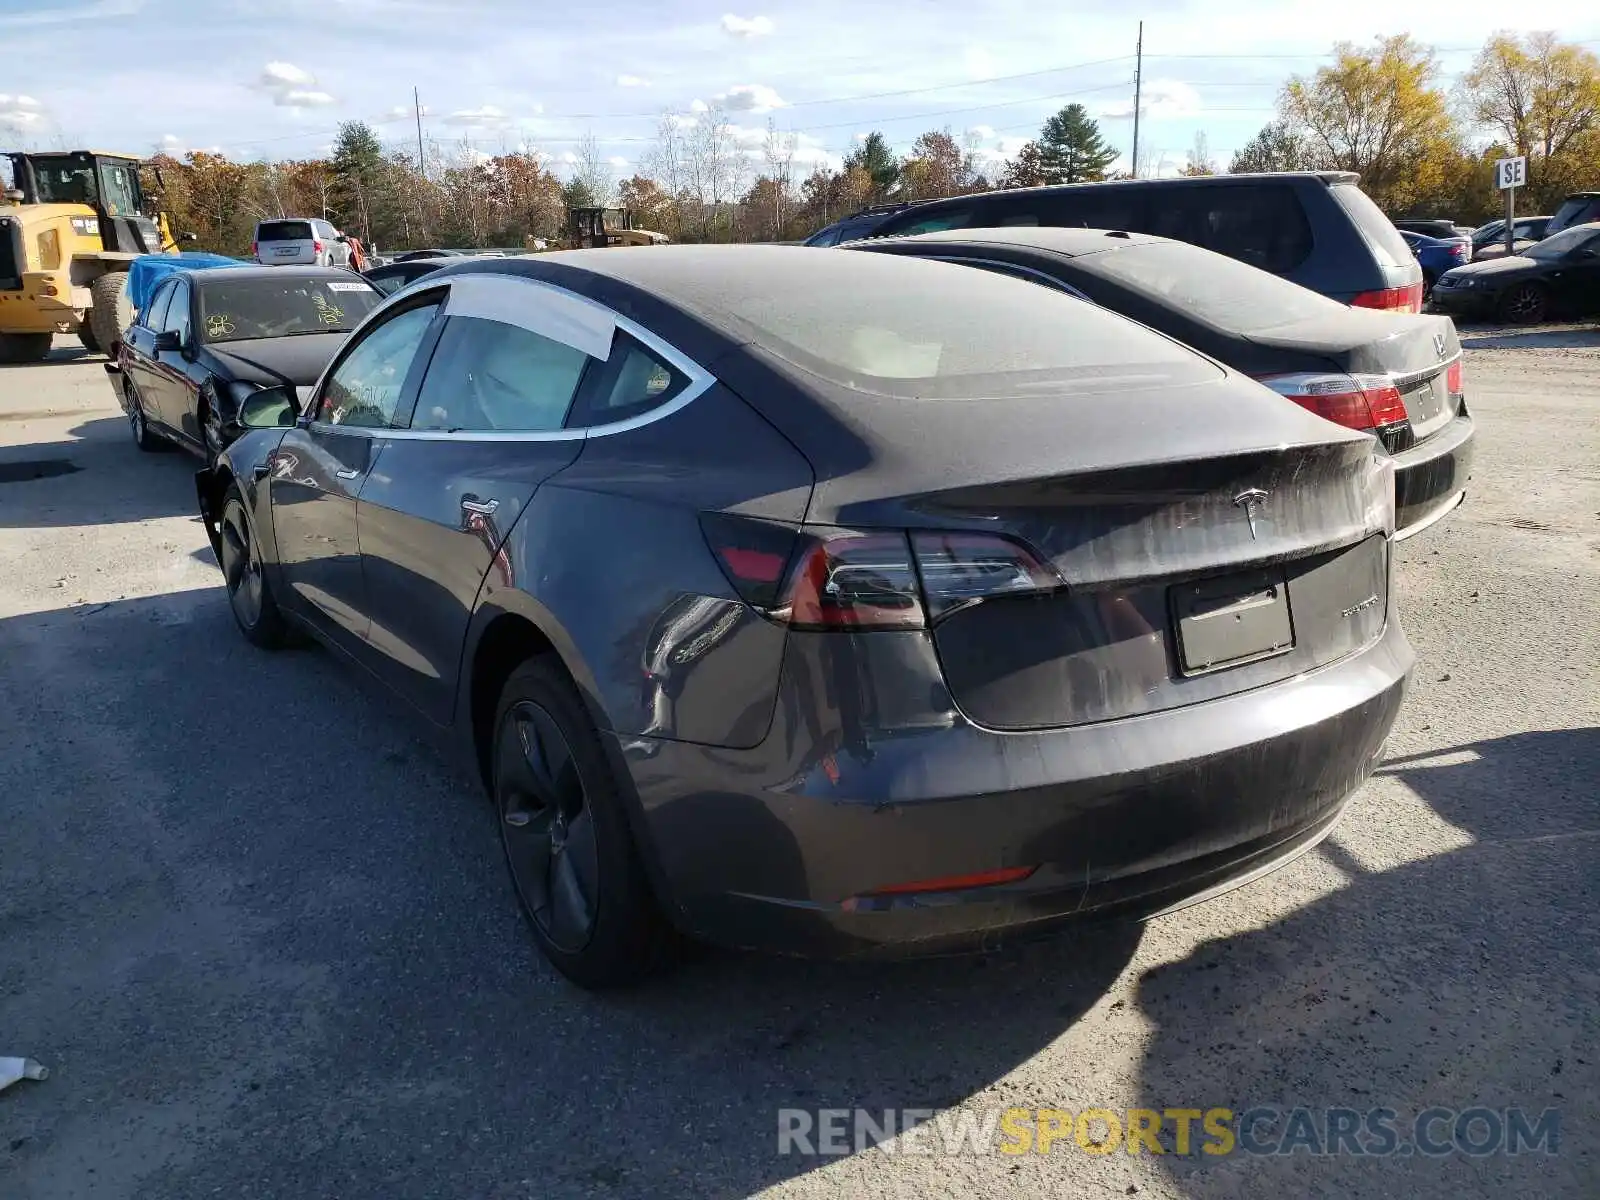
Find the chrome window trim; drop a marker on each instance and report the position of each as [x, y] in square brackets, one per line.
[700, 380]
[1010, 268]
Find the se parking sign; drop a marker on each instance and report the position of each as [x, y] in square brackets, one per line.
[1511, 172]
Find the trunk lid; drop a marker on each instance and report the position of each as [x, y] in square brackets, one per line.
[1414, 352]
[1207, 539]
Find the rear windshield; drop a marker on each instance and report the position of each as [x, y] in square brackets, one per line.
[895, 326]
[283, 231]
[281, 305]
[1380, 234]
[1572, 211]
[1211, 288]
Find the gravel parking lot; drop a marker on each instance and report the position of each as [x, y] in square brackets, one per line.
[259, 931]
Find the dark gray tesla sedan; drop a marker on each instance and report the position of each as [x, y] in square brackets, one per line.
[832, 603]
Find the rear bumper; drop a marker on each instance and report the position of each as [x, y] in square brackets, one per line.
[776, 847]
[1430, 479]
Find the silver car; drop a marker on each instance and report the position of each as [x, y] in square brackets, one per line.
[300, 241]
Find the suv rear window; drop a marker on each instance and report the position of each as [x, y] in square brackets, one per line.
[283, 231]
[1574, 210]
[1378, 231]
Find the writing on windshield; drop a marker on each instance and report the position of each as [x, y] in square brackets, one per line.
[278, 306]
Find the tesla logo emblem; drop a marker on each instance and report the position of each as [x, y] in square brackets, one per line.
[1438, 344]
[1250, 501]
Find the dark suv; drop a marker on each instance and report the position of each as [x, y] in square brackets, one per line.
[856, 225]
[1317, 229]
[1577, 209]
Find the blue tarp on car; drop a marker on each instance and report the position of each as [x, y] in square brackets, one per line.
[148, 270]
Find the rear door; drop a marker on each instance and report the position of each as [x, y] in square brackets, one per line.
[498, 413]
[319, 469]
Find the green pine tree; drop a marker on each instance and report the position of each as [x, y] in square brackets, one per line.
[1072, 149]
[875, 158]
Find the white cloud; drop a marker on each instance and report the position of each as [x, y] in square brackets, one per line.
[20, 113]
[632, 81]
[1160, 98]
[293, 87]
[616, 160]
[746, 27]
[403, 112]
[698, 106]
[568, 157]
[486, 116]
[861, 137]
[978, 63]
[751, 98]
[981, 133]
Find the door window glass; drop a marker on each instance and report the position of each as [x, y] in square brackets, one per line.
[488, 375]
[155, 312]
[177, 317]
[365, 387]
[120, 198]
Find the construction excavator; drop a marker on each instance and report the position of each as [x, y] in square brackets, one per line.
[591, 227]
[71, 222]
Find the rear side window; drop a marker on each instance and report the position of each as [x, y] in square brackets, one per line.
[490, 376]
[1376, 229]
[954, 217]
[283, 231]
[633, 380]
[177, 316]
[826, 237]
[1207, 287]
[1261, 225]
[365, 387]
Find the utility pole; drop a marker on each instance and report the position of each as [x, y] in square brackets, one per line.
[422, 163]
[1138, 80]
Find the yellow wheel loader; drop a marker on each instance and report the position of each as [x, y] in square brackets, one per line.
[70, 224]
[588, 227]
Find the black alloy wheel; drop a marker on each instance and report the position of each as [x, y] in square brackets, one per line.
[1525, 304]
[249, 595]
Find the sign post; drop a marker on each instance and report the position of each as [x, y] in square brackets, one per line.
[1509, 175]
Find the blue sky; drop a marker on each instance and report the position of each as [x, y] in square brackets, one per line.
[273, 78]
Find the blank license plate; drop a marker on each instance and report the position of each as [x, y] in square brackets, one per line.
[1231, 620]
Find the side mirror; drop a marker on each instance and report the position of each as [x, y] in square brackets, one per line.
[168, 339]
[270, 408]
[191, 237]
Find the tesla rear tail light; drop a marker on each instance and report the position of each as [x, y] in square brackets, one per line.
[1364, 402]
[1401, 299]
[819, 578]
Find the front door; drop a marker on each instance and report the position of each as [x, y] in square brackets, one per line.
[487, 429]
[320, 467]
[172, 391]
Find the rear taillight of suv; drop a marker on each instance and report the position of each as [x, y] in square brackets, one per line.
[1400, 299]
[317, 246]
[1366, 402]
[822, 578]
[255, 249]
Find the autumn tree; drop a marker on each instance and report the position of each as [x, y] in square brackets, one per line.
[1071, 148]
[645, 199]
[1377, 112]
[1200, 162]
[594, 171]
[1026, 169]
[937, 166]
[875, 157]
[1278, 146]
[1535, 92]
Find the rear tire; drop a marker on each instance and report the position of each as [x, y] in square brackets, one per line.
[566, 837]
[17, 348]
[86, 336]
[250, 598]
[111, 310]
[1525, 304]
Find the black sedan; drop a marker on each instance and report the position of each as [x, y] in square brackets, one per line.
[1559, 276]
[839, 603]
[207, 340]
[1396, 376]
[393, 276]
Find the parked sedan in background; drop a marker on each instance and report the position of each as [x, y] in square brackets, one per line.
[835, 602]
[1397, 377]
[208, 339]
[1437, 255]
[392, 276]
[1489, 239]
[1559, 276]
[1436, 227]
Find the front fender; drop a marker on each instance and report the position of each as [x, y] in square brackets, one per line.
[246, 463]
